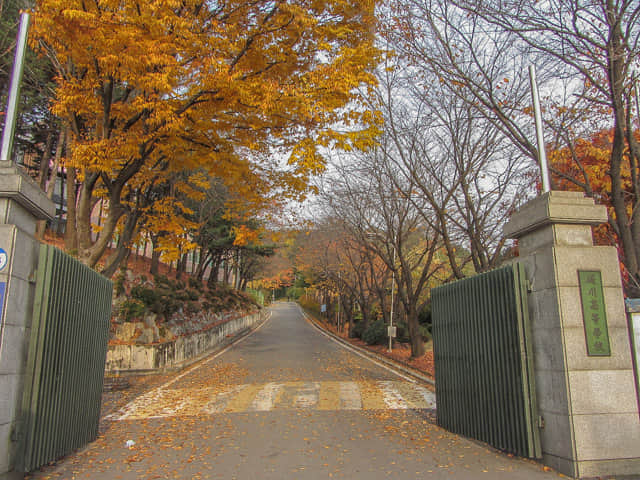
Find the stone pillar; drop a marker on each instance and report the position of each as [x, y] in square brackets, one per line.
[586, 395]
[22, 203]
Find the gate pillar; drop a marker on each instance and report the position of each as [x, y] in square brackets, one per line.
[582, 356]
[22, 203]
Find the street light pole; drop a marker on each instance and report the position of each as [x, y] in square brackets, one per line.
[393, 288]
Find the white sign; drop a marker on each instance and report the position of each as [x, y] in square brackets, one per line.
[4, 259]
[635, 341]
[392, 331]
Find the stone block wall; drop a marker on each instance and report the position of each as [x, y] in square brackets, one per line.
[178, 352]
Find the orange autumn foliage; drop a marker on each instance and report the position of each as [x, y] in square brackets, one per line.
[152, 89]
[584, 168]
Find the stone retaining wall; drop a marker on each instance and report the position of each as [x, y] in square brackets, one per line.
[176, 353]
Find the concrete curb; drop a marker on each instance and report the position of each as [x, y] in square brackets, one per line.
[367, 353]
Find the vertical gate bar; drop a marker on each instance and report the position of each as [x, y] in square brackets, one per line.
[64, 290]
[480, 374]
[494, 291]
[502, 361]
[535, 449]
[46, 405]
[493, 371]
[74, 391]
[516, 378]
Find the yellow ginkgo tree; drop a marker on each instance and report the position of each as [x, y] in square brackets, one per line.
[151, 89]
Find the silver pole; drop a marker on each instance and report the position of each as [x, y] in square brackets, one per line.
[393, 288]
[542, 157]
[635, 86]
[14, 89]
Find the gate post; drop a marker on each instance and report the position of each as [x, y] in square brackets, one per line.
[22, 203]
[582, 356]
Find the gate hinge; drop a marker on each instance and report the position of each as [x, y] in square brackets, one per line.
[540, 422]
[529, 286]
[32, 276]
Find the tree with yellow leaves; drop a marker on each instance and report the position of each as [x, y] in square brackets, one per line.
[153, 89]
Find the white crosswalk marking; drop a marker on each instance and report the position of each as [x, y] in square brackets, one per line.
[350, 398]
[428, 395]
[219, 401]
[213, 400]
[265, 398]
[392, 396]
[307, 396]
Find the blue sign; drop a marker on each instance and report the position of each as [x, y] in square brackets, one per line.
[4, 259]
[3, 287]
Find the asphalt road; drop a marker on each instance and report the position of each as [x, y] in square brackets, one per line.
[286, 402]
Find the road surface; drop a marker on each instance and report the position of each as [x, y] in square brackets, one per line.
[286, 402]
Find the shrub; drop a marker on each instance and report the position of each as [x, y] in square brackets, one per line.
[191, 307]
[425, 331]
[132, 308]
[181, 295]
[195, 284]
[424, 315]
[146, 295]
[376, 333]
[402, 332]
[207, 306]
[118, 283]
[358, 329]
[192, 294]
[161, 280]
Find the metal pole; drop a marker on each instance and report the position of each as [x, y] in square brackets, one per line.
[635, 86]
[393, 289]
[542, 157]
[14, 89]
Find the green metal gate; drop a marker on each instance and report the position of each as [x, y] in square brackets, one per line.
[484, 362]
[65, 367]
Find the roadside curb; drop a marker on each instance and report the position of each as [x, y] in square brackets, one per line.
[367, 353]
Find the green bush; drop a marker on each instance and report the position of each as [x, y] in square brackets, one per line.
[195, 284]
[402, 332]
[146, 295]
[132, 308]
[425, 331]
[376, 333]
[424, 315]
[192, 294]
[358, 329]
[161, 280]
[118, 284]
[191, 307]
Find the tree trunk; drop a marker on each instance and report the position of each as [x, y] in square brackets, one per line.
[50, 188]
[43, 171]
[415, 337]
[213, 274]
[204, 261]
[123, 249]
[71, 232]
